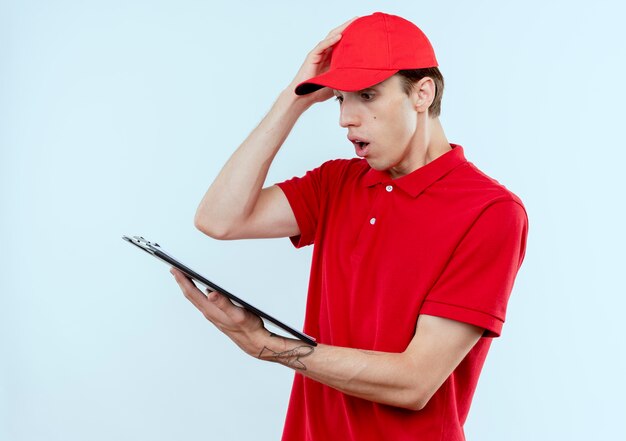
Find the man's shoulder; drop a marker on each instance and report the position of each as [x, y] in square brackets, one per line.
[470, 183]
[344, 168]
[343, 163]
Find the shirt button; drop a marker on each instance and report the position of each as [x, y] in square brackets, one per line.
[373, 220]
[389, 188]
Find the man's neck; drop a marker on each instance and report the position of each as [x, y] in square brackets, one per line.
[437, 143]
[429, 143]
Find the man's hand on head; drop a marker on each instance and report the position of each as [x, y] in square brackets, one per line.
[317, 62]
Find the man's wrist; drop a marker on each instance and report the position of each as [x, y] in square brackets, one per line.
[294, 102]
[288, 352]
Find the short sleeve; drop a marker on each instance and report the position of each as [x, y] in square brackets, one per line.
[303, 194]
[476, 284]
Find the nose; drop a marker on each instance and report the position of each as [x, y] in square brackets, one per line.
[348, 115]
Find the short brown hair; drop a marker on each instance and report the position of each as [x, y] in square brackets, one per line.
[412, 76]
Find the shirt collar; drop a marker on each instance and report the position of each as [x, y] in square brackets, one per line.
[419, 180]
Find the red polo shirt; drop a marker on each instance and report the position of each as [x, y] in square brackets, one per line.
[445, 240]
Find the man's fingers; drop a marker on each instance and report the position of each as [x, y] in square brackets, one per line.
[317, 61]
[214, 306]
[223, 303]
[219, 300]
[324, 45]
[191, 292]
[339, 29]
[331, 39]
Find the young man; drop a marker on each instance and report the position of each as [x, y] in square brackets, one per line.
[415, 251]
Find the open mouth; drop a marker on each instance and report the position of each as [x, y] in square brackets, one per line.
[360, 146]
[359, 143]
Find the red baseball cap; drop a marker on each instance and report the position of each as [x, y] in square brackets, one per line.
[373, 48]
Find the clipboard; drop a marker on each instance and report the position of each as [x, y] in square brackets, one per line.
[155, 250]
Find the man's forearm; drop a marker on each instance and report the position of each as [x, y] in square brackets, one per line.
[407, 379]
[233, 195]
[388, 378]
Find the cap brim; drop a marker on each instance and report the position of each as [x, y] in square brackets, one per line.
[345, 79]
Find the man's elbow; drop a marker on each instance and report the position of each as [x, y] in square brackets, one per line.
[416, 404]
[211, 228]
[415, 398]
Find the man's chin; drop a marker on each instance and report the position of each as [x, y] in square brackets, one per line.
[375, 165]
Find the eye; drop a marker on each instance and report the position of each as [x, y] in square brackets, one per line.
[366, 96]
[339, 98]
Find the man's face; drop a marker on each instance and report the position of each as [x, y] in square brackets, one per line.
[382, 124]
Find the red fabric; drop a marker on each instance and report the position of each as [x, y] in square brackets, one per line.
[446, 240]
[373, 48]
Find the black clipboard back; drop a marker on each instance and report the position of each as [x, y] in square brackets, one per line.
[155, 249]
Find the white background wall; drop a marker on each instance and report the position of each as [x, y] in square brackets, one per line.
[116, 115]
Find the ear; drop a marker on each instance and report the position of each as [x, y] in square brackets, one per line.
[423, 94]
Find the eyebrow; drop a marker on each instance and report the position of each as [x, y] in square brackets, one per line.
[367, 89]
